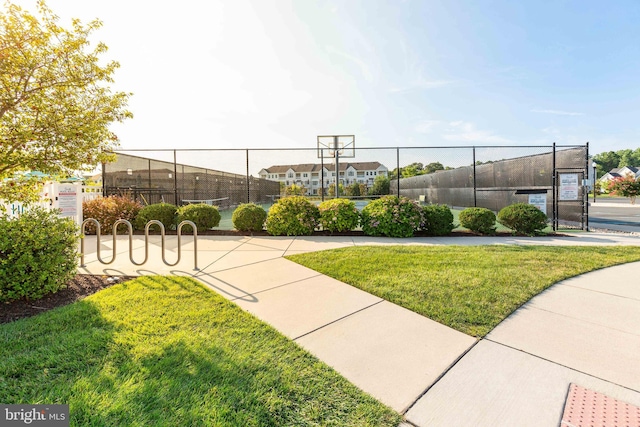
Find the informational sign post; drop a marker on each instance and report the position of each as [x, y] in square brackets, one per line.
[68, 200]
[539, 201]
[569, 188]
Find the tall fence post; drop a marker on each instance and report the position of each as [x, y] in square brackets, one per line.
[248, 187]
[585, 197]
[554, 220]
[398, 169]
[322, 172]
[475, 186]
[175, 177]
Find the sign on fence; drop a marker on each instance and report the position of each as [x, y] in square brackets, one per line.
[569, 186]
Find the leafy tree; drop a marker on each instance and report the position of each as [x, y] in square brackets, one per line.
[331, 191]
[413, 169]
[55, 101]
[353, 190]
[626, 186]
[295, 190]
[381, 186]
[606, 162]
[433, 167]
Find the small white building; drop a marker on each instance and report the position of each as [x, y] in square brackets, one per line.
[311, 175]
[620, 173]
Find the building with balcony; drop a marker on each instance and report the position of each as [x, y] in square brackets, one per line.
[315, 177]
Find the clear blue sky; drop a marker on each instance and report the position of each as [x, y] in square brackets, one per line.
[276, 73]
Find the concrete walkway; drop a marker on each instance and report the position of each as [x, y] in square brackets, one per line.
[585, 330]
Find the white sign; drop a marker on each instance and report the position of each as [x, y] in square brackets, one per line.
[539, 201]
[68, 199]
[569, 186]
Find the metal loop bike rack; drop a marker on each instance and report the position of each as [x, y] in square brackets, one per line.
[146, 242]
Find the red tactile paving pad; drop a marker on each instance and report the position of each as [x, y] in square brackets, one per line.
[586, 407]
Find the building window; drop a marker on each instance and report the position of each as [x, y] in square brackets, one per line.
[305, 175]
[315, 182]
[290, 175]
[350, 173]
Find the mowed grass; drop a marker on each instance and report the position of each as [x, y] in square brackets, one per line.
[470, 289]
[165, 351]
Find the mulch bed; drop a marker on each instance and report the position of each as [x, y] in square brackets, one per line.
[77, 288]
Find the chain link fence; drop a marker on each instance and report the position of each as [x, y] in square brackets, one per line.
[483, 176]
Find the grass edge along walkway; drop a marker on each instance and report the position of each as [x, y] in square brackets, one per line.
[468, 288]
[166, 351]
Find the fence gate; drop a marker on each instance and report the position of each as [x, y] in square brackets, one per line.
[570, 198]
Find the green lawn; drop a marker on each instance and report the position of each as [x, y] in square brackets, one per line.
[165, 351]
[470, 289]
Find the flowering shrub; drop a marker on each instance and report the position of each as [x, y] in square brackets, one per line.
[37, 254]
[107, 210]
[523, 218]
[163, 212]
[391, 216]
[626, 186]
[479, 220]
[292, 216]
[338, 215]
[249, 217]
[437, 220]
[203, 216]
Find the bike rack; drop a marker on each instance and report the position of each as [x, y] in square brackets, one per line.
[146, 242]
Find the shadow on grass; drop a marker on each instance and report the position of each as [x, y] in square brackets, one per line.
[165, 351]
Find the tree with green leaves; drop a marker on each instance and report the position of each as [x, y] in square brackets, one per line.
[331, 191]
[381, 186]
[433, 167]
[616, 159]
[295, 190]
[55, 102]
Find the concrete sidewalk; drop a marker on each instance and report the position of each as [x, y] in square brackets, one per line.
[585, 330]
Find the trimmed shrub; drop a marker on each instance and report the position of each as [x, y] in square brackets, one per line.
[107, 210]
[204, 216]
[337, 215]
[38, 254]
[249, 217]
[292, 216]
[391, 216]
[478, 220]
[523, 218]
[163, 212]
[437, 220]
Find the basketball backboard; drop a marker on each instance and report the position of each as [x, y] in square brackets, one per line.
[344, 145]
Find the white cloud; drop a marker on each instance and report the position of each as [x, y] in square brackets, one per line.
[426, 126]
[558, 112]
[364, 68]
[466, 132]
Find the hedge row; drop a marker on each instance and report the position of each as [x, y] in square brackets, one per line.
[390, 216]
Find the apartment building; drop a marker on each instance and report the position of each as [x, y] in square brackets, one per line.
[311, 175]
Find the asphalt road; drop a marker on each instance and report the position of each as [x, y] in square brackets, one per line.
[616, 214]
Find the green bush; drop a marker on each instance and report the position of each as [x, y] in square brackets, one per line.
[437, 220]
[249, 217]
[391, 216]
[107, 210]
[478, 220]
[292, 216]
[337, 215]
[38, 254]
[204, 216]
[523, 218]
[163, 212]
